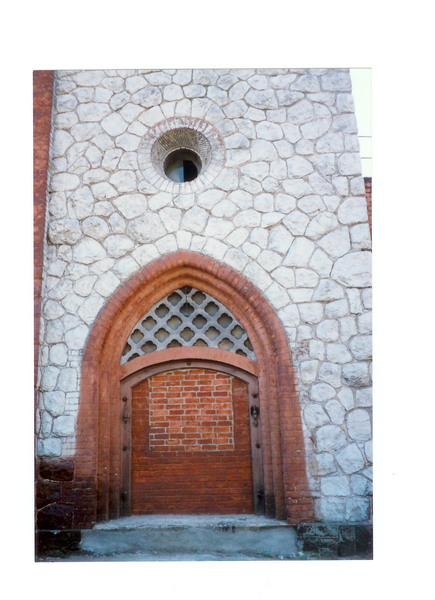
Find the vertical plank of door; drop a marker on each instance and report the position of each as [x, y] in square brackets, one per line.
[257, 467]
[126, 410]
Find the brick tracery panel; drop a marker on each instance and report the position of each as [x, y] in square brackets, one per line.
[187, 317]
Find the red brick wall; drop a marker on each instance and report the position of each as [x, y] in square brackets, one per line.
[46, 492]
[368, 185]
[190, 410]
[42, 100]
[181, 461]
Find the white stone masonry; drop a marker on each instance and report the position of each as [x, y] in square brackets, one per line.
[287, 209]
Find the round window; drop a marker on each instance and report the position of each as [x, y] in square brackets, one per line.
[181, 155]
[182, 165]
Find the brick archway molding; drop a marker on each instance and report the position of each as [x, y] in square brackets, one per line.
[97, 458]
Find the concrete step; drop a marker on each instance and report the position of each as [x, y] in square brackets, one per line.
[187, 535]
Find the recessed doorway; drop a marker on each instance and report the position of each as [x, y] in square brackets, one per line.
[191, 441]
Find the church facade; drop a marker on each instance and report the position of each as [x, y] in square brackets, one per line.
[202, 297]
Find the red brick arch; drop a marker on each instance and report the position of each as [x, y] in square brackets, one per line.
[98, 431]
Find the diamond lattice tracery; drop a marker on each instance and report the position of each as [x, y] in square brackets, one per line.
[187, 317]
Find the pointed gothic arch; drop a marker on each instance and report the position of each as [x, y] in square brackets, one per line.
[98, 455]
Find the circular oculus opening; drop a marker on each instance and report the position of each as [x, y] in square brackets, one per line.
[181, 152]
[182, 165]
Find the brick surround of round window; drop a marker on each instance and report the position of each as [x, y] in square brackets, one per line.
[175, 134]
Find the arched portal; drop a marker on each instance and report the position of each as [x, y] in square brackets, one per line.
[99, 435]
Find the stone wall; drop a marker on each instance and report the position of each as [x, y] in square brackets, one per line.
[282, 202]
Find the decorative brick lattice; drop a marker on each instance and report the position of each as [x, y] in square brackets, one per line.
[190, 410]
[187, 317]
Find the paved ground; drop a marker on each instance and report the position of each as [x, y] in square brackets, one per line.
[162, 557]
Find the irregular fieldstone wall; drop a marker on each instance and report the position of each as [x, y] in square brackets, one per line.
[287, 210]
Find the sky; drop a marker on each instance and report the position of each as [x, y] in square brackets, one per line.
[362, 95]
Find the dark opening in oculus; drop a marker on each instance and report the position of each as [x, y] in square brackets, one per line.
[182, 165]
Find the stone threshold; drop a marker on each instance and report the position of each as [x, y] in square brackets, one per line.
[190, 521]
[191, 534]
[209, 537]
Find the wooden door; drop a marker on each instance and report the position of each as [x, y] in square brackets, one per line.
[191, 441]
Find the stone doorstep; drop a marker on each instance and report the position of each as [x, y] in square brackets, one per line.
[193, 521]
[166, 537]
[188, 534]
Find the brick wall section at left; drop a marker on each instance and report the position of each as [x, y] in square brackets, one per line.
[49, 492]
[42, 101]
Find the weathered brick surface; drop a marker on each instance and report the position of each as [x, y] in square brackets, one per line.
[48, 492]
[190, 410]
[56, 470]
[42, 102]
[55, 516]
